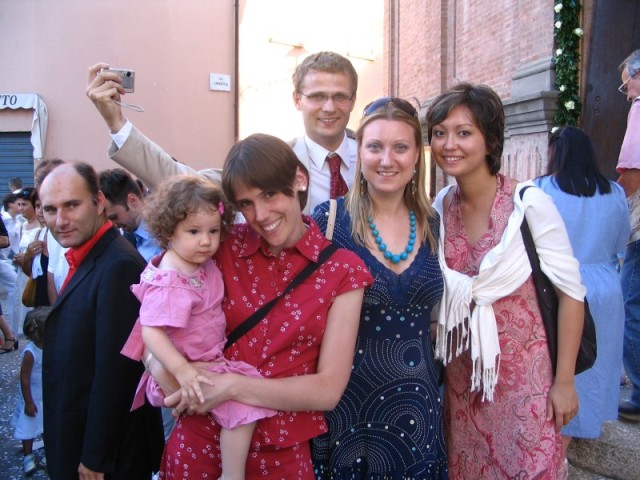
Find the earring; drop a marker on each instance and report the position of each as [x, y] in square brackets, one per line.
[363, 185]
[414, 189]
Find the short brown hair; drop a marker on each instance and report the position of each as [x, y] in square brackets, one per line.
[116, 185]
[329, 62]
[264, 162]
[176, 198]
[487, 114]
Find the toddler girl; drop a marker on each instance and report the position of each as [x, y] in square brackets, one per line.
[181, 318]
[27, 418]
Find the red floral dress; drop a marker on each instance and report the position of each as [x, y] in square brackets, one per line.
[286, 343]
[509, 437]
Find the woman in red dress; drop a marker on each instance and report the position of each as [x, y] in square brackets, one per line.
[303, 347]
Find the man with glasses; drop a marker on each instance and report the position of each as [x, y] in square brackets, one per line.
[325, 86]
[629, 169]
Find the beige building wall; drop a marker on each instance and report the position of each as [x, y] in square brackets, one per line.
[276, 35]
[173, 46]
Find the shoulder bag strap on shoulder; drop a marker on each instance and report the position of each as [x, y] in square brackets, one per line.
[331, 222]
[259, 314]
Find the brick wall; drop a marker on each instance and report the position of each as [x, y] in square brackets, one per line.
[441, 42]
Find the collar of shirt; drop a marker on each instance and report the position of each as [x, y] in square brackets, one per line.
[309, 245]
[142, 232]
[75, 256]
[318, 153]
[146, 245]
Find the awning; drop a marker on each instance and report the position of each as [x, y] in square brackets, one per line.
[40, 117]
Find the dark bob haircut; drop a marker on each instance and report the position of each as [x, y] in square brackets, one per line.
[264, 162]
[487, 114]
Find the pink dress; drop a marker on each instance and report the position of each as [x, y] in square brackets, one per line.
[509, 437]
[189, 309]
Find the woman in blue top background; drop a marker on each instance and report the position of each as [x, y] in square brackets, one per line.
[388, 424]
[596, 215]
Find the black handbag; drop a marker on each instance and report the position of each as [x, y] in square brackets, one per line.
[548, 301]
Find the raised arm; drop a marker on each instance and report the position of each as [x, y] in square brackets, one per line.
[139, 155]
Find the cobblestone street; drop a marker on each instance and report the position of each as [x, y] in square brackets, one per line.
[11, 449]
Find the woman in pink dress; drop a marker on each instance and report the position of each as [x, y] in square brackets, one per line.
[503, 406]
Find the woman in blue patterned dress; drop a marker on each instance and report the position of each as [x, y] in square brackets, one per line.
[388, 424]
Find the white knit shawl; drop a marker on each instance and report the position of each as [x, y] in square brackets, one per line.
[503, 269]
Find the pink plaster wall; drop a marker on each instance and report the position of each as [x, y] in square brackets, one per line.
[47, 47]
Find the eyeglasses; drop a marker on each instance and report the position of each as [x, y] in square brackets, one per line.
[320, 98]
[623, 88]
[396, 102]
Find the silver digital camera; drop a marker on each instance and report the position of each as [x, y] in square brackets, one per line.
[127, 76]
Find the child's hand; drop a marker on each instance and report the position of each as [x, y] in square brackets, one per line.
[190, 379]
[30, 409]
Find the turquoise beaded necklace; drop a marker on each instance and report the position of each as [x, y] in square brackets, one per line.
[395, 258]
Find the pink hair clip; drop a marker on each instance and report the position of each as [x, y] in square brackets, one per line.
[221, 208]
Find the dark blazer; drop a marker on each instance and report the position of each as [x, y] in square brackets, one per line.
[88, 386]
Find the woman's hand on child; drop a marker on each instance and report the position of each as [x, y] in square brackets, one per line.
[216, 390]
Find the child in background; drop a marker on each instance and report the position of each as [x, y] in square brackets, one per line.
[181, 318]
[27, 419]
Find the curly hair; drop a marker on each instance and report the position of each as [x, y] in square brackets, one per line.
[176, 198]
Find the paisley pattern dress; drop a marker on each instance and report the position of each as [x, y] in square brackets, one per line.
[509, 437]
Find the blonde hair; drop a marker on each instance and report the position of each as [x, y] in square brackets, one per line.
[358, 201]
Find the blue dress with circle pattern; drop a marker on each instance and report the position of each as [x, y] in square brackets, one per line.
[388, 424]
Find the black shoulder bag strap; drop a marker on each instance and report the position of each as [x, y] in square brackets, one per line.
[259, 314]
[545, 292]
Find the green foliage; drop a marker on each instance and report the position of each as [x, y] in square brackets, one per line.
[567, 36]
